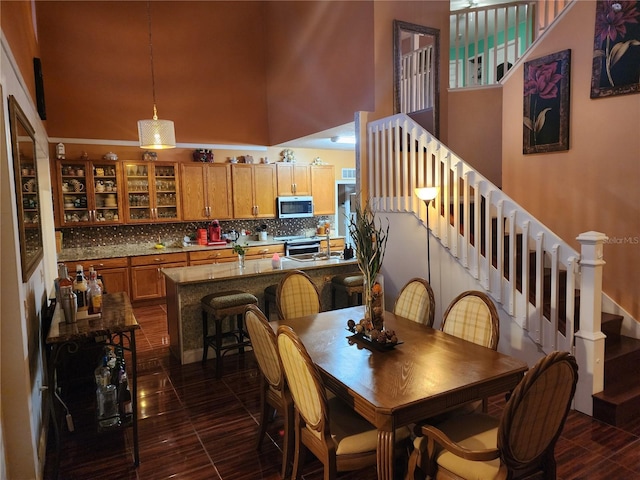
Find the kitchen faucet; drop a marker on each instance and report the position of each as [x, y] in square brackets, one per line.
[328, 244]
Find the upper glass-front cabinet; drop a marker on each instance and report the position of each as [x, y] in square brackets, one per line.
[152, 192]
[89, 193]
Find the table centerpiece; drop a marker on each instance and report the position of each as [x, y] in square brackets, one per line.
[370, 240]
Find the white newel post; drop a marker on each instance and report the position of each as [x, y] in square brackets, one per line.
[589, 339]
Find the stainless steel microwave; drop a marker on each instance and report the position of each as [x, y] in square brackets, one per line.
[295, 207]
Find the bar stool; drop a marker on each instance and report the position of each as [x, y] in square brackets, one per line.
[220, 306]
[269, 299]
[349, 283]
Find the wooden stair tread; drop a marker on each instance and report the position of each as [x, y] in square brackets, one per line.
[622, 347]
[619, 393]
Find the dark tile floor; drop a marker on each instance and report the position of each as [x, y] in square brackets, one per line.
[194, 426]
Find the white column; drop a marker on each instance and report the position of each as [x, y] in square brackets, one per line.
[589, 340]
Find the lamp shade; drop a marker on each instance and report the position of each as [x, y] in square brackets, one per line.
[427, 193]
[156, 134]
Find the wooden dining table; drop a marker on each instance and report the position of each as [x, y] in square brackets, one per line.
[428, 372]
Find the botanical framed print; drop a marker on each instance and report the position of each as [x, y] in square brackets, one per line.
[546, 103]
[616, 49]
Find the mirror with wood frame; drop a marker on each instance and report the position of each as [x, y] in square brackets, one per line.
[416, 76]
[23, 145]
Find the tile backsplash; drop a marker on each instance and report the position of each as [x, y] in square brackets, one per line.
[170, 233]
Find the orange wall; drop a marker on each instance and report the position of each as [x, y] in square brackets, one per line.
[16, 19]
[593, 185]
[320, 66]
[475, 132]
[209, 60]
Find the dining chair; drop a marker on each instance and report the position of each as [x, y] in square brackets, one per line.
[519, 444]
[274, 395]
[297, 296]
[416, 302]
[340, 438]
[472, 316]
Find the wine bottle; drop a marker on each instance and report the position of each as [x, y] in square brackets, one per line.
[124, 394]
[80, 287]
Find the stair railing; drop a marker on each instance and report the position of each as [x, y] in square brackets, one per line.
[487, 41]
[522, 264]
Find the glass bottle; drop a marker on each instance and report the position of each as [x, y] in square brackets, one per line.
[80, 287]
[94, 292]
[124, 394]
[63, 280]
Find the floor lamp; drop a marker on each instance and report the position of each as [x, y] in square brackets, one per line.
[427, 194]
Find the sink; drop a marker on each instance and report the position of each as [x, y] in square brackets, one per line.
[312, 257]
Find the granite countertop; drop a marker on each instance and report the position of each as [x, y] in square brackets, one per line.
[217, 271]
[137, 249]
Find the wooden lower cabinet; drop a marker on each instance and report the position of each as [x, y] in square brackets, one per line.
[114, 272]
[264, 252]
[208, 257]
[147, 281]
[226, 255]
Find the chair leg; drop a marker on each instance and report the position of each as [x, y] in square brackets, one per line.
[240, 326]
[299, 451]
[265, 410]
[288, 440]
[205, 333]
[333, 298]
[218, 348]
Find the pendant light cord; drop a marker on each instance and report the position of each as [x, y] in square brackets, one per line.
[153, 77]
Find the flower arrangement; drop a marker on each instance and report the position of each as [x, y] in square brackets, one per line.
[370, 241]
[288, 155]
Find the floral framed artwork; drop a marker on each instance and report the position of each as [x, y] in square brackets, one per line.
[546, 103]
[616, 49]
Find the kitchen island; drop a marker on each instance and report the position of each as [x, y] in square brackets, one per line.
[185, 286]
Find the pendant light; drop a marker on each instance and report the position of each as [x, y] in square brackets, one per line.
[154, 133]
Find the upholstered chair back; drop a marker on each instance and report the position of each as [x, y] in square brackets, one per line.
[416, 302]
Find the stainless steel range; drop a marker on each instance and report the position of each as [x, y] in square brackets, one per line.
[294, 245]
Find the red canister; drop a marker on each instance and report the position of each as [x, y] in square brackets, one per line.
[202, 236]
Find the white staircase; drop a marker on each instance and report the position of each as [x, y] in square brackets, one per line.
[529, 271]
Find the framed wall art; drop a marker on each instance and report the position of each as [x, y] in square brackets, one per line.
[546, 103]
[616, 49]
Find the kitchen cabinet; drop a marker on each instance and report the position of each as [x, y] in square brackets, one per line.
[254, 190]
[114, 272]
[293, 179]
[88, 193]
[336, 245]
[323, 189]
[152, 192]
[264, 251]
[224, 255]
[206, 191]
[208, 257]
[147, 281]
